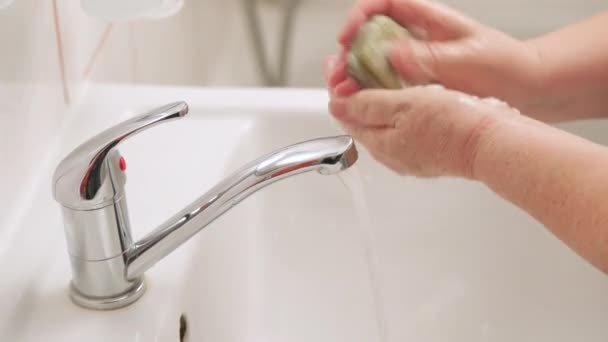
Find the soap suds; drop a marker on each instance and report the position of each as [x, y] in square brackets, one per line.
[474, 101]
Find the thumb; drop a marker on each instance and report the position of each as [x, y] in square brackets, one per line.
[329, 63]
[438, 21]
[420, 62]
[424, 18]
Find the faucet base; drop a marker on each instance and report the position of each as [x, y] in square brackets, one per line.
[109, 303]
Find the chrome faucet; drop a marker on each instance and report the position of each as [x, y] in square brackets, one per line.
[107, 265]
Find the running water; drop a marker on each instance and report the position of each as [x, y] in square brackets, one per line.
[351, 179]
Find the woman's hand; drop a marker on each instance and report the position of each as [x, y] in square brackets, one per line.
[556, 177]
[449, 48]
[423, 131]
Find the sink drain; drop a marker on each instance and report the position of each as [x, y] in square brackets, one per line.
[183, 328]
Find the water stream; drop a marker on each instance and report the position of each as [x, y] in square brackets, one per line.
[352, 181]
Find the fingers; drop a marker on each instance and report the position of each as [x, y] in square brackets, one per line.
[422, 62]
[329, 64]
[338, 73]
[377, 142]
[414, 62]
[359, 15]
[369, 108]
[337, 78]
[347, 88]
[437, 20]
[423, 17]
[373, 138]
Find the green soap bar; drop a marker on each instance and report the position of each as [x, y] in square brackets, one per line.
[367, 61]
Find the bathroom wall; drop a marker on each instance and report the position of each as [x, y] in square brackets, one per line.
[207, 42]
[46, 46]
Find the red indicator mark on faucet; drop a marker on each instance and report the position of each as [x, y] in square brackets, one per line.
[122, 163]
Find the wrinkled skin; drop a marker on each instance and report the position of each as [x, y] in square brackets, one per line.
[430, 131]
[558, 178]
[450, 49]
[425, 131]
[367, 61]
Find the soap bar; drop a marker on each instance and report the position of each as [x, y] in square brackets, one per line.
[367, 60]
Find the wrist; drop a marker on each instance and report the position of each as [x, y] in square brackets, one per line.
[516, 72]
[534, 70]
[505, 128]
[538, 103]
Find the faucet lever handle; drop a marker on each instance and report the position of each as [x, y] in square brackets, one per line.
[86, 178]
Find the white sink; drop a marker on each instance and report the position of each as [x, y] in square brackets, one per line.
[446, 259]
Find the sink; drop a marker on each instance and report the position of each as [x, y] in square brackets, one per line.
[364, 256]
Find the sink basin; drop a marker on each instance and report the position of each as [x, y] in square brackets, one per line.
[364, 256]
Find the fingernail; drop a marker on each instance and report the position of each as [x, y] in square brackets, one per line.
[338, 73]
[330, 62]
[328, 67]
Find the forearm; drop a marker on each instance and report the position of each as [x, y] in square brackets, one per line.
[573, 68]
[558, 178]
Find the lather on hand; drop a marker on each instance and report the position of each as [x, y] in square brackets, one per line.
[558, 178]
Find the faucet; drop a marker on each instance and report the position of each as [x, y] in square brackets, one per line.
[107, 265]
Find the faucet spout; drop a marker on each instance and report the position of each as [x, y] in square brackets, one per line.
[107, 265]
[325, 155]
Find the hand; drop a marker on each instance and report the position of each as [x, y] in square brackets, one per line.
[451, 49]
[423, 131]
